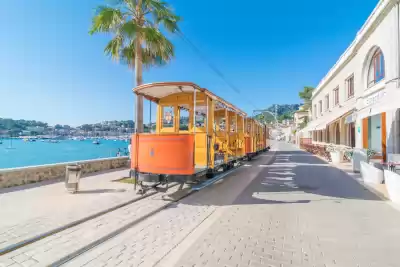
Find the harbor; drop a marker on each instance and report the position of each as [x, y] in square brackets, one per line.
[29, 151]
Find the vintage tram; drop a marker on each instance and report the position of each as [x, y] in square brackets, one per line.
[197, 134]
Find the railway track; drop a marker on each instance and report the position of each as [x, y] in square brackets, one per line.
[58, 246]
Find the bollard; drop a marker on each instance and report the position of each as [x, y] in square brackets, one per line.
[72, 176]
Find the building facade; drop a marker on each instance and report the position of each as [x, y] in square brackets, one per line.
[300, 116]
[356, 103]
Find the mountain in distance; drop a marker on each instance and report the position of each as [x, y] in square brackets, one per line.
[285, 111]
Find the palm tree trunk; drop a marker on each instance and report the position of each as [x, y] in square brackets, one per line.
[138, 75]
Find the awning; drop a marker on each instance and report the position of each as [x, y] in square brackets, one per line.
[334, 116]
[322, 126]
[328, 118]
[389, 101]
[310, 127]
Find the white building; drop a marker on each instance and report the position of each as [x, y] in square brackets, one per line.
[300, 116]
[356, 103]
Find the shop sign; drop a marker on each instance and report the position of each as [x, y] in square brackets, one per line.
[374, 98]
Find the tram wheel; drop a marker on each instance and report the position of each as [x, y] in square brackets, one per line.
[230, 165]
[141, 191]
[225, 167]
[210, 175]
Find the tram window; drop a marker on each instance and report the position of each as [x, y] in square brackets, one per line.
[184, 118]
[233, 125]
[248, 127]
[200, 119]
[168, 117]
[222, 124]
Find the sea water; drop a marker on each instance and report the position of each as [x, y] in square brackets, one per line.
[17, 153]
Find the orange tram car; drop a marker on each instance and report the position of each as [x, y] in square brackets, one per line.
[197, 135]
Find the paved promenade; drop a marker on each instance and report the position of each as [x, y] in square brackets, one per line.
[287, 208]
[300, 211]
[27, 211]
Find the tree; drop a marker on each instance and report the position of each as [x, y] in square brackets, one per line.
[306, 95]
[285, 116]
[137, 38]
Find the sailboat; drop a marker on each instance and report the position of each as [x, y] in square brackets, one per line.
[11, 147]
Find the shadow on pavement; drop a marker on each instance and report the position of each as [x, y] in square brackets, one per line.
[302, 179]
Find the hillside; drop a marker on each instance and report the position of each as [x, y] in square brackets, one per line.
[284, 112]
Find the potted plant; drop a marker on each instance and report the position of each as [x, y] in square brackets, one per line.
[370, 172]
[370, 154]
[348, 153]
[335, 152]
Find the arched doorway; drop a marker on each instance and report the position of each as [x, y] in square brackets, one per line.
[327, 134]
[352, 134]
[337, 134]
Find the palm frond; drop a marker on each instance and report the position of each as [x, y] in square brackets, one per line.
[157, 44]
[127, 55]
[163, 14]
[114, 47]
[123, 22]
[130, 29]
[106, 20]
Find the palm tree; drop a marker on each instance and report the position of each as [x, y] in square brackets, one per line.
[137, 24]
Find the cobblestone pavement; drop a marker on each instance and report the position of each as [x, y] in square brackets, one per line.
[51, 249]
[299, 212]
[31, 210]
[147, 243]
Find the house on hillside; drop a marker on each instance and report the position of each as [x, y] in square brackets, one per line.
[300, 117]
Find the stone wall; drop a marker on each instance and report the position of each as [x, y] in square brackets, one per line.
[26, 175]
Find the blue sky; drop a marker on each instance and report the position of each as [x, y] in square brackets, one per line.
[53, 71]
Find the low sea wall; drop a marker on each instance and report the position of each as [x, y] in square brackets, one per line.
[27, 175]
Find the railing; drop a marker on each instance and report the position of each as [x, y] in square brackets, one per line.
[317, 149]
[322, 151]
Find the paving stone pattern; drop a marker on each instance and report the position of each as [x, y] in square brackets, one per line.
[147, 243]
[51, 249]
[297, 212]
[27, 213]
[293, 216]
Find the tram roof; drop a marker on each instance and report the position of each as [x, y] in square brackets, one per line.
[159, 90]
